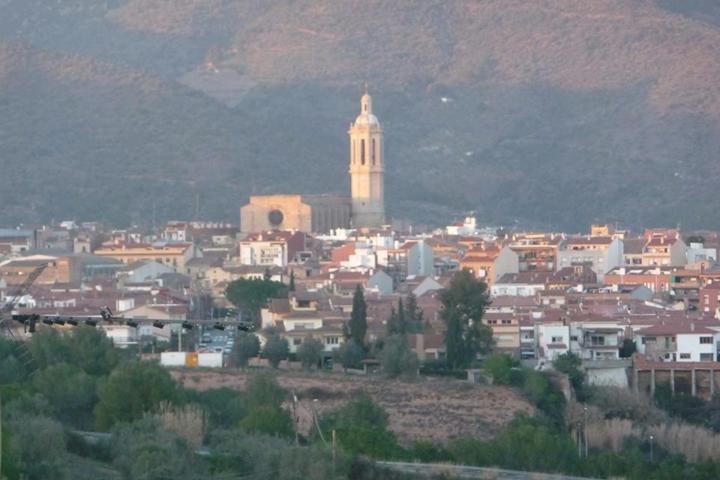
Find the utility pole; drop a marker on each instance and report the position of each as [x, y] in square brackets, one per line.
[1, 475]
[334, 443]
[295, 419]
[585, 437]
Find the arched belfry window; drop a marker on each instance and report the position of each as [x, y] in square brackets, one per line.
[373, 151]
[362, 151]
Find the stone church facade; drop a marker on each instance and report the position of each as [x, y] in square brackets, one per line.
[364, 208]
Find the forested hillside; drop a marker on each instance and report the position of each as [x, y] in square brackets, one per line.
[552, 114]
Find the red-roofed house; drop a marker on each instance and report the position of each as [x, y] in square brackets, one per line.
[489, 263]
[684, 341]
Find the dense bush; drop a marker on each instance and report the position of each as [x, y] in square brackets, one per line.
[224, 407]
[440, 368]
[37, 445]
[236, 453]
[310, 353]
[69, 391]
[133, 390]
[350, 354]
[397, 358]
[276, 349]
[247, 346]
[361, 427]
[142, 449]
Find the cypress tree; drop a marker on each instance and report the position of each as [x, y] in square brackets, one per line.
[291, 285]
[401, 321]
[358, 317]
[392, 323]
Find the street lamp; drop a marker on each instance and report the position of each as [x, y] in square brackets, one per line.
[651, 449]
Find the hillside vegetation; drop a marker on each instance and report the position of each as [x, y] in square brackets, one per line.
[552, 114]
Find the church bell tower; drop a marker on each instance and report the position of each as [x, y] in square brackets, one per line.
[366, 168]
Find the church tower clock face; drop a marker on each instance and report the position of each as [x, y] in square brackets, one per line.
[276, 217]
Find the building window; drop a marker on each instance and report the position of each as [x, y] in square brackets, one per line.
[556, 339]
[573, 338]
[598, 340]
[362, 152]
[706, 340]
[373, 151]
[331, 340]
[706, 357]
[297, 341]
[684, 356]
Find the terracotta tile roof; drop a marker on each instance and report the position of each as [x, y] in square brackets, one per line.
[678, 328]
[589, 240]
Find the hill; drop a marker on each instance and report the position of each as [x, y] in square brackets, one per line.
[552, 114]
[429, 409]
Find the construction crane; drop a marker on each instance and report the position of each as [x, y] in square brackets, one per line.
[20, 291]
[106, 316]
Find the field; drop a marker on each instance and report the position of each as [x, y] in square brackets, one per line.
[428, 409]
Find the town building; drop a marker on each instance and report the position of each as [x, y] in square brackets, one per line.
[490, 262]
[271, 248]
[601, 253]
[173, 254]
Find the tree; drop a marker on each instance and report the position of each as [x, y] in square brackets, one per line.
[91, 350]
[397, 358]
[358, 318]
[413, 313]
[144, 450]
[362, 428]
[263, 398]
[262, 389]
[70, 392]
[48, 347]
[350, 354]
[464, 303]
[402, 321]
[247, 346]
[252, 295]
[291, 284]
[569, 364]
[268, 420]
[12, 369]
[276, 349]
[396, 324]
[627, 348]
[225, 407]
[87, 348]
[131, 391]
[38, 444]
[310, 352]
[500, 367]
[391, 327]
[241, 455]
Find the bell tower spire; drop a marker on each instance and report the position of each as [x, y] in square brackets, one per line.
[367, 167]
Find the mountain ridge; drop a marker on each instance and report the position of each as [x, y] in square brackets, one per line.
[549, 114]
